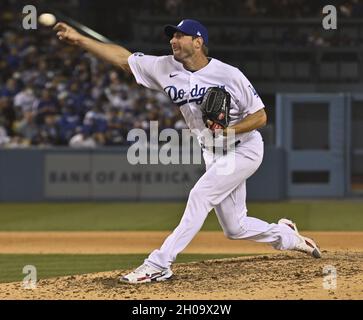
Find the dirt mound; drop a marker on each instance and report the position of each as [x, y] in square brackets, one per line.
[278, 276]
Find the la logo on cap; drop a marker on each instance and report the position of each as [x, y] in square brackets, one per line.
[199, 34]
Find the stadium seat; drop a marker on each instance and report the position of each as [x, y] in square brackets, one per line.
[286, 70]
[329, 71]
[268, 70]
[266, 34]
[251, 69]
[303, 70]
[349, 71]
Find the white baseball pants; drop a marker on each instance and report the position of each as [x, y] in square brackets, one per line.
[223, 187]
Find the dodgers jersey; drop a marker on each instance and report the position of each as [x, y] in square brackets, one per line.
[186, 89]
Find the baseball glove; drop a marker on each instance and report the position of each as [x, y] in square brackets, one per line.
[215, 106]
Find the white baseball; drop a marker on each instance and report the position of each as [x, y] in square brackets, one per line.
[47, 19]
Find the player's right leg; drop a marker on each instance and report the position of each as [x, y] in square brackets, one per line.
[146, 273]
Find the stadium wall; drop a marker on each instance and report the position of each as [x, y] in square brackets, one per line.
[64, 174]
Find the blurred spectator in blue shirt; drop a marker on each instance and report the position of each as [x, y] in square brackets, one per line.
[47, 105]
[68, 124]
[10, 89]
[49, 131]
[27, 129]
[95, 124]
[116, 131]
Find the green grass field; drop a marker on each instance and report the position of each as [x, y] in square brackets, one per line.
[314, 215]
[54, 265]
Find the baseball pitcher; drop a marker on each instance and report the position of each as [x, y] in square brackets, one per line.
[215, 99]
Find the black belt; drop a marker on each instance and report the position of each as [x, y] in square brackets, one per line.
[225, 150]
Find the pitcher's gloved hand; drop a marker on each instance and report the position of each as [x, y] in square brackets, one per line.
[215, 108]
[214, 125]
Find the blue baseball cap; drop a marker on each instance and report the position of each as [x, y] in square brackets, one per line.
[189, 27]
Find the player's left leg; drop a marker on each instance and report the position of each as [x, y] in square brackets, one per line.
[232, 216]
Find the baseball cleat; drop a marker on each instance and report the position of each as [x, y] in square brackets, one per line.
[146, 273]
[305, 244]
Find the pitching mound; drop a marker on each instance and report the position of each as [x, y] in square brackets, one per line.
[278, 276]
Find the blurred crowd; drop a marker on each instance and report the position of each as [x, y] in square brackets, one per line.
[55, 94]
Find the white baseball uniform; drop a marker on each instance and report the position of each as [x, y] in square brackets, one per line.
[225, 193]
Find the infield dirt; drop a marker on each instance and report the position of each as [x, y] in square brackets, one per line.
[273, 275]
